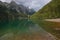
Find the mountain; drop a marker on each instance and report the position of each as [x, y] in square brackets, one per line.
[15, 8]
[12, 11]
[19, 8]
[49, 11]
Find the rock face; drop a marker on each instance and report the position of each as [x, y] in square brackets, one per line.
[14, 7]
[11, 11]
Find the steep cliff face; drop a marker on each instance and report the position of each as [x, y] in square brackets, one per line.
[12, 11]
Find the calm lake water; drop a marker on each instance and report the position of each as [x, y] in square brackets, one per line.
[23, 30]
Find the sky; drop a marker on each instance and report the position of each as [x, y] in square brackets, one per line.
[35, 4]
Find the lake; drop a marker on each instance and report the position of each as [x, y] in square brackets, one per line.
[23, 30]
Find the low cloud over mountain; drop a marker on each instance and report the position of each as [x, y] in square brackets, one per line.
[35, 4]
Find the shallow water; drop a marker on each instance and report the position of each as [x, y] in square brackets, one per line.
[24, 30]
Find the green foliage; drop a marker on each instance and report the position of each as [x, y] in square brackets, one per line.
[3, 8]
[3, 14]
[50, 11]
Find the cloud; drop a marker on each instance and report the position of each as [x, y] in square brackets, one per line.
[38, 4]
[35, 4]
[6, 1]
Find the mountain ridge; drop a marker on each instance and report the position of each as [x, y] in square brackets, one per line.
[12, 11]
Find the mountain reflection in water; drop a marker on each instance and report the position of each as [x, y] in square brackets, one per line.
[23, 30]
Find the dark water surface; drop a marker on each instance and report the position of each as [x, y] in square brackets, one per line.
[23, 30]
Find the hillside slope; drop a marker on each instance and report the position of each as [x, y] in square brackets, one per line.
[49, 11]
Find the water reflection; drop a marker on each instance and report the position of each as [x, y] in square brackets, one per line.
[23, 30]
